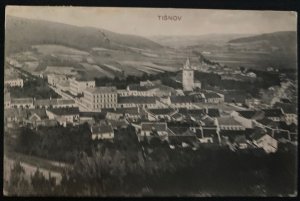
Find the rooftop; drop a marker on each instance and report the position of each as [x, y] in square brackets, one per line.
[65, 111]
[137, 87]
[213, 112]
[251, 114]
[157, 126]
[211, 95]
[228, 121]
[22, 101]
[273, 112]
[287, 108]
[103, 128]
[137, 100]
[163, 111]
[100, 90]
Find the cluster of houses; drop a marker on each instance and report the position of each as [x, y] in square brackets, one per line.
[183, 118]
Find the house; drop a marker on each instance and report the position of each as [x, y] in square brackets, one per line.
[54, 103]
[64, 116]
[247, 117]
[229, 123]
[137, 101]
[181, 101]
[138, 90]
[63, 86]
[252, 102]
[264, 141]
[213, 112]
[78, 86]
[208, 135]
[7, 100]
[290, 112]
[102, 132]
[153, 129]
[22, 103]
[13, 81]
[54, 79]
[14, 117]
[113, 115]
[117, 124]
[274, 114]
[241, 142]
[212, 97]
[98, 98]
[38, 117]
[178, 135]
[159, 114]
[176, 117]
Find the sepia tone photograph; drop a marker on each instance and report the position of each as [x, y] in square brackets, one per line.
[137, 102]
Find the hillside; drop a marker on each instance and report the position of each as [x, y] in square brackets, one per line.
[21, 33]
[277, 41]
[185, 41]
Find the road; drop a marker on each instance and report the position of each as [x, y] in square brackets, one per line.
[81, 106]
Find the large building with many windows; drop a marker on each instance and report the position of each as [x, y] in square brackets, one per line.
[100, 97]
[78, 86]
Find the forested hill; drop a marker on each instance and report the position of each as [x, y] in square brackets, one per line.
[21, 33]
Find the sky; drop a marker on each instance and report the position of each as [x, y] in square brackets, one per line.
[146, 21]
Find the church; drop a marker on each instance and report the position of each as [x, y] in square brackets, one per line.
[188, 83]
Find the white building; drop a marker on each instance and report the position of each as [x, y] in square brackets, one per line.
[187, 77]
[79, 86]
[14, 82]
[100, 97]
[54, 79]
[102, 132]
[265, 141]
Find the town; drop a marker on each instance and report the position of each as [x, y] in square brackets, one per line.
[185, 117]
[102, 101]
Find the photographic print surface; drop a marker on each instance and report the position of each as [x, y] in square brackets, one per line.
[149, 102]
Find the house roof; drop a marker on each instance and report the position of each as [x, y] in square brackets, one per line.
[181, 131]
[287, 108]
[117, 123]
[240, 139]
[158, 126]
[251, 114]
[208, 121]
[137, 87]
[206, 132]
[257, 135]
[48, 102]
[102, 90]
[211, 95]
[40, 112]
[213, 112]
[102, 128]
[273, 112]
[64, 111]
[131, 110]
[181, 99]
[228, 120]
[162, 111]
[137, 100]
[176, 115]
[22, 101]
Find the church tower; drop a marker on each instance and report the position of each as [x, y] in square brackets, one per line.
[187, 76]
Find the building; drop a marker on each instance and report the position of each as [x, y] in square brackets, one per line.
[63, 86]
[290, 112]
[22, 103]
[100, 97]
[248, 117]
[137, 101]
[54, 103]
[54, 79]
[252, 102]
[207, 135]
[153, 129]
[102, 132]
[264, 141]
[64, 116]
[212, 97]
[159, 114]
[113, 116]
[79, 86]
[229, 123]
[138, 90]
[7, 100]
[187, 76]
[274, 114]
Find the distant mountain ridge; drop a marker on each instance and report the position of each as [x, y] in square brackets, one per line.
[21, 33]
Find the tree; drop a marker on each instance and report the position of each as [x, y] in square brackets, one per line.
[17, 185]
